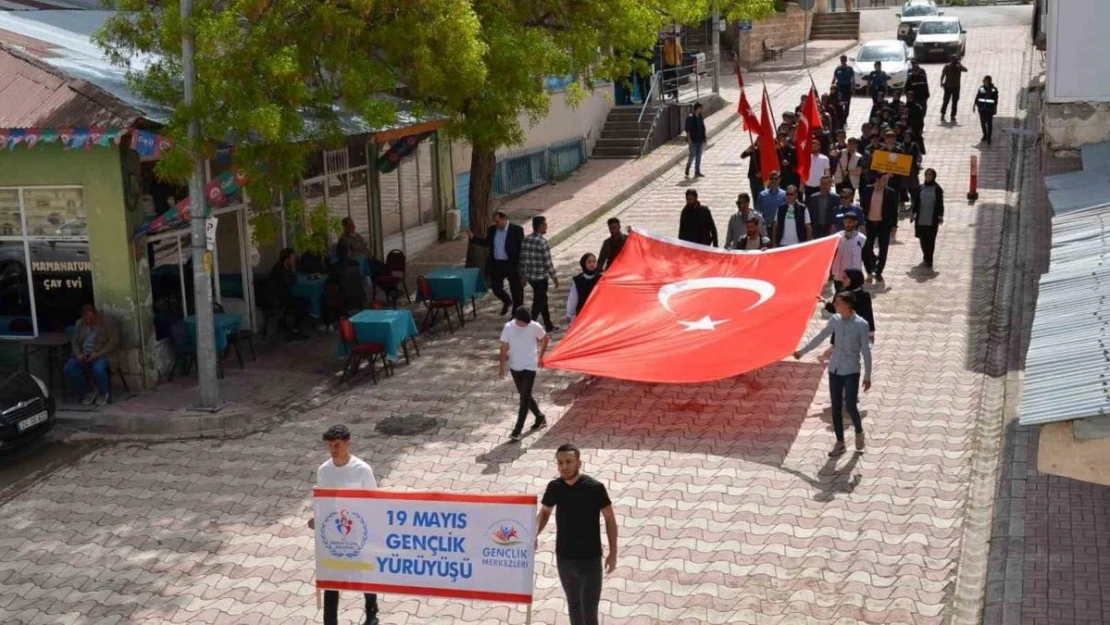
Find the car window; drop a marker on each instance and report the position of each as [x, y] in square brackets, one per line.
[919, 10]
[939, 28]
[884, 53]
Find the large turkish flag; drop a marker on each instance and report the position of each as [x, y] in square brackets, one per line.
[671, 311]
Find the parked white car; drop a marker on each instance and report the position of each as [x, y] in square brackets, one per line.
[913, 12]
[895, 56]
[940, 38]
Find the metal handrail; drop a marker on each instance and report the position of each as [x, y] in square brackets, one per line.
[656, 79]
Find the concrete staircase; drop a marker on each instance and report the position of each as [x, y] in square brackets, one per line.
[835, 26]
[623, 136]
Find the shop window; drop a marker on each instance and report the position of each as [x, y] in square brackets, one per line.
[45, 274]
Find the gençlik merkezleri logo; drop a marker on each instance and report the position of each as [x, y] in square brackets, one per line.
[344, 534]
[506, 534]
[511, 546]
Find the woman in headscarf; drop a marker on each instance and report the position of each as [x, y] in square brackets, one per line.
[582, 285]
[928, 215]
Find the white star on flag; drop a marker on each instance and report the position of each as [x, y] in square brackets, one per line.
[705, 323]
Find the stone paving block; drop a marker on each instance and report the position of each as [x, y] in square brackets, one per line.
[729, 512]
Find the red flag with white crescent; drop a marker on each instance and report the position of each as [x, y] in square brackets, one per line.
[678, 312]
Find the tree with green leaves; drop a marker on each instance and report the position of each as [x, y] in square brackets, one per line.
[527, 41]
[272, 75]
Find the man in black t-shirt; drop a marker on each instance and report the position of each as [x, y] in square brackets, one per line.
[577, 500]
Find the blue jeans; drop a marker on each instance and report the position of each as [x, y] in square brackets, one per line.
[75, 374]
[844, 390]
[696, 150]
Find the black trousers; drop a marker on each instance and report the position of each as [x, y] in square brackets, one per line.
[331, 606]
[499, 272]
[927, 236]
[879, 232]
[581, 581]
[524, 380]
[952, 95]
[986, 122]
[539, 303]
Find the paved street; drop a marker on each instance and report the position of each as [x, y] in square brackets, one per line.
[729, 511]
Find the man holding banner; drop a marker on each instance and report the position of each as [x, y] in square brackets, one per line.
[577, 500]
[343, 470]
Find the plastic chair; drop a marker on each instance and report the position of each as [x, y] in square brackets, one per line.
[434, 305]
[359, 351]
[397, 277]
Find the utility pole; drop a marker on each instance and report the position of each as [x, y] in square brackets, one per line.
[202, 258]
[716, 43]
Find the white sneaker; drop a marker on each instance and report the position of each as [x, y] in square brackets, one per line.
[101, 400]
[89, 398]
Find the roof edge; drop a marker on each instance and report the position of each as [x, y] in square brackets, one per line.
[83, 88]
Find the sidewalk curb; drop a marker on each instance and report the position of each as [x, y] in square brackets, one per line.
[811, 62]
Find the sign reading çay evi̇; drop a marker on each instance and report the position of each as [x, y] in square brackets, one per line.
[430, 544]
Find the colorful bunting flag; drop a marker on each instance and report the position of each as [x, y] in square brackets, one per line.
[15, 137]
[31, 139]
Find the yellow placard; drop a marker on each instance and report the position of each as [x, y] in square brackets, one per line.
[891, 162]
[208, 263]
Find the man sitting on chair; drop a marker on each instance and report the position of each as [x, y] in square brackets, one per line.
[95, 338]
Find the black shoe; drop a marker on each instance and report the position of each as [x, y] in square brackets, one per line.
[515, 437]
[699, 174]
[687, 173]
[551, 329]
[371, 620]
[540, 424]
[504, 308]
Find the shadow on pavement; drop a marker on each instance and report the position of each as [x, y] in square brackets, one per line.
[753, 417]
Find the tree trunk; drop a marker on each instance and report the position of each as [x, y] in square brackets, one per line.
[481, 189]
[482, 163]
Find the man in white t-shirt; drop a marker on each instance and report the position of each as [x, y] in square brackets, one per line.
[523, 343]
[818, 168]
[343, 470]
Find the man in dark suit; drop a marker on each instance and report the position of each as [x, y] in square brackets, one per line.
[880, 206]
[503, 240]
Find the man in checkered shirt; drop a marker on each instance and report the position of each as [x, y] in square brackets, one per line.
[536, 267]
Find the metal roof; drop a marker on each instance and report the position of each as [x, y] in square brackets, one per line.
[1067, 369]
[61, 40]
[34, 95]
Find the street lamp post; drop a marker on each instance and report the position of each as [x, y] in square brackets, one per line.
[202, 258]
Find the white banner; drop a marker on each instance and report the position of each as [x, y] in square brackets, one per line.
[430, 544]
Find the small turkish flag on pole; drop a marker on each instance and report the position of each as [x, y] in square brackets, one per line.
[812, 110]
[747, 115]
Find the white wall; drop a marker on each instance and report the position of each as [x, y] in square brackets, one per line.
[562, 122]
[1078, 47]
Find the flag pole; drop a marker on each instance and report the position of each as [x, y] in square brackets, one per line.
[770, 106]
